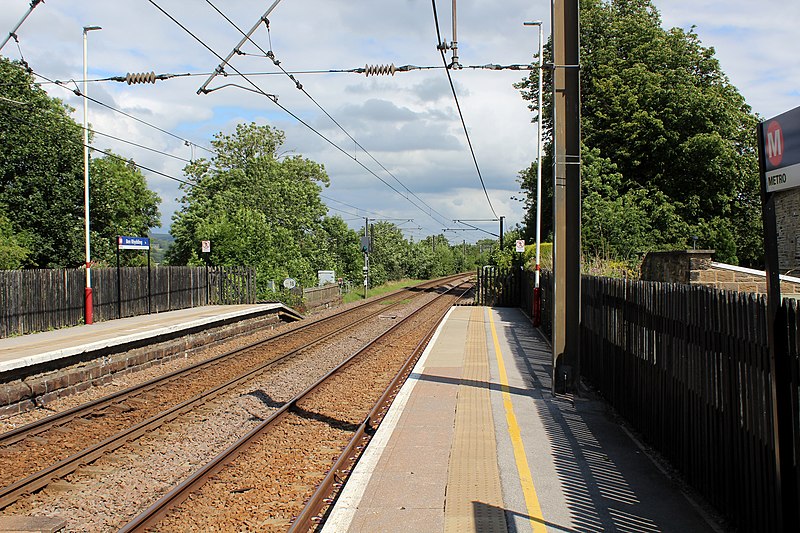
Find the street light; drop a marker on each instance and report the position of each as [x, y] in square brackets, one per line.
[537, 292]
[88, 291]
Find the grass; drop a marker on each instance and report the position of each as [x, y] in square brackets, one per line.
[358, 293]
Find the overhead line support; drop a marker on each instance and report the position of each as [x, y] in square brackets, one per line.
[221, 68]
[13, 33]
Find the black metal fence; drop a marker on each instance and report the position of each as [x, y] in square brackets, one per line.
[688, 367]
[527, 284]
[499, 287]
[40, 300]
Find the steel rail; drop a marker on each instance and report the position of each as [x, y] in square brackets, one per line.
[63, 417]
[327, 491]
[155, 513]
[38, 480]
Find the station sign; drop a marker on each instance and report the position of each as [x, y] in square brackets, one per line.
[133, 243]
[781, 141]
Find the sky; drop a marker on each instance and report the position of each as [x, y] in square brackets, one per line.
[408, 122]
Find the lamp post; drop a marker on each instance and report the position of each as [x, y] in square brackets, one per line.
[537, 291]
[88, 291]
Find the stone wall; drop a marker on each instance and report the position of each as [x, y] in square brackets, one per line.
[695, 267]
[787, 210]
[321, 297]
[675, 266]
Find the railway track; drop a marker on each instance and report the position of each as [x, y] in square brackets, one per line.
[124, 416]
[262, 481]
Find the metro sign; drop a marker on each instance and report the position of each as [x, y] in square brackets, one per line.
[782, 150]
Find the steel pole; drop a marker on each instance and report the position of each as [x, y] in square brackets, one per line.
[88, 311]
[536, 311]
[780, 364]
[539, 168]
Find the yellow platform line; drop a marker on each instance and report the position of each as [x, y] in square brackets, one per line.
[525, 477]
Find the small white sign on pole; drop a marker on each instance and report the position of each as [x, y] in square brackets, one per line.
[206, 247]
[521, 245]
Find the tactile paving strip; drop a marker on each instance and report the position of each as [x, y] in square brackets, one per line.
[474, 500]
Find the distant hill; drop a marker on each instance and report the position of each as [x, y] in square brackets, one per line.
[159, 242]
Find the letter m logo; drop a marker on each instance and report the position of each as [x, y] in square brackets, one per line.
[774, 143]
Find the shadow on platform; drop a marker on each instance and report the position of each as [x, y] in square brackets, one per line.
[605, 478]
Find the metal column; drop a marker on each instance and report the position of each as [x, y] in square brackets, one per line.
[783, 410]
[567, 195]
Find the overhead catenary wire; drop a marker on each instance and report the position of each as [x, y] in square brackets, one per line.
[358, 217]
[476, 228]
[274, 99]
[143, 147]
[270, 54]
[108, 154]
[108, 135]
[374, 215]
[458, 107]
[78, 92]
[359, 70]
[351, 206]
[130, 161]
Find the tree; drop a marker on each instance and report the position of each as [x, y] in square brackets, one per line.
[389, 249]
[340, 246]
[41, 183]
[257, 209]
[669, 142]
[13, 247]
[121, 204]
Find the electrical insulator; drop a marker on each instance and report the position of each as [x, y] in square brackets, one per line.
[377, 70]
[140, 77]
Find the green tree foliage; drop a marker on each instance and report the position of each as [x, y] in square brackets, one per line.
[121, 204]
[41, 182]
[13, 246]
[341, 249]
[263, 211]
[388, 255]
[669, 143]
[41, 170]
[256, 209]
[433, 257]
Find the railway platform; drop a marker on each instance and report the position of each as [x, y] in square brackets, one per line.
[47, 348]
[475, 441]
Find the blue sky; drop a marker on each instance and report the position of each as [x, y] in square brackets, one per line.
[408, 122]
